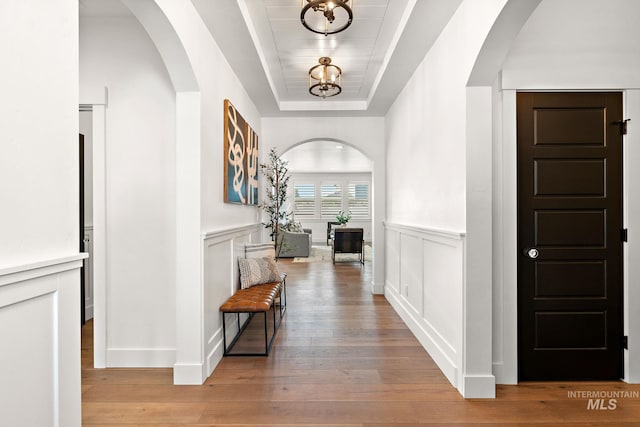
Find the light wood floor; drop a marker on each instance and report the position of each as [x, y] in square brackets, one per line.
[342, 357]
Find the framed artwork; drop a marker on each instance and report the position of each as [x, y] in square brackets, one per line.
[251, 155]
[240, 158]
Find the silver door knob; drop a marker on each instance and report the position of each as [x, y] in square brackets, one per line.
[533, 253]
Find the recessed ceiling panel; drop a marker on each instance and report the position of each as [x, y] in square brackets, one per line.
[271, 52]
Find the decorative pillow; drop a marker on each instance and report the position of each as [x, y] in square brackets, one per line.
[259, 250]
[256, 271]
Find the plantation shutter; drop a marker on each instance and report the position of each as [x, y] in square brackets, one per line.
[359, 200]
[330, 200]
[305, 200]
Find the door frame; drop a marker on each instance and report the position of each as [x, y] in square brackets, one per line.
[505, 251]
[97, 105]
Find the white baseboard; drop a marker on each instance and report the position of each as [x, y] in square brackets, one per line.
[88, 312]
[479, 387]
[377, 288]
[498, 370]
[141, 357]
[215, 345]
[188, 374]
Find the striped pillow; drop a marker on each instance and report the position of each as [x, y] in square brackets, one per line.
[256, 271]
[259, 250]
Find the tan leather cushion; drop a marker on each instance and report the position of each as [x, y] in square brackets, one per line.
[257, 298]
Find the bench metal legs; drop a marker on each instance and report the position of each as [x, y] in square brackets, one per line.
[268, 342]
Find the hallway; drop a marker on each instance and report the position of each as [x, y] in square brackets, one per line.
[341, 357]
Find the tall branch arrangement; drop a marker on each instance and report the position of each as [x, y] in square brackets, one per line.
[275, 172]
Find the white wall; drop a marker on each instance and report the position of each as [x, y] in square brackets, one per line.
[39, 133]
[565, 45]
[216, 82]
[326, 157]
[202, 80]
[576, 44]
[39, 260]
[429, 186]
[140, 182]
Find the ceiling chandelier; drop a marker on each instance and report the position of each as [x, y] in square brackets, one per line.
[325, 79]
[333, 16]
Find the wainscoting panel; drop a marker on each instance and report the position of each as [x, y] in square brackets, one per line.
[424, 284]
[392, 266]
[411, 273]
[40, 336]
[220, 251]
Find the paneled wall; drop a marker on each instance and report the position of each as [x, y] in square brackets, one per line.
[424, 283]
[220, 252]
[40, 335]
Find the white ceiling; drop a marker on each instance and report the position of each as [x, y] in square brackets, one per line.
[271, 52]
[290, 49]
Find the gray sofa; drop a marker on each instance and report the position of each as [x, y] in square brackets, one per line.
[296, 244]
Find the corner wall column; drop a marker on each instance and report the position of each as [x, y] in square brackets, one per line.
[477, 376]
[189, 365]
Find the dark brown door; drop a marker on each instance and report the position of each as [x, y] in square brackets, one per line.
[569, 236]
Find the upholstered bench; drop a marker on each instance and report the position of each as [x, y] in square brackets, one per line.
[256, 299]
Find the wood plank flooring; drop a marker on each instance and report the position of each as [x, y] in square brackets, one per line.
[342, 357]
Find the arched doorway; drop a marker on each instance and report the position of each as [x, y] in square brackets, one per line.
[328, 176]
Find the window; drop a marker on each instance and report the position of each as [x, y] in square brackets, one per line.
[358, 200]
[304, 197]
[319, 197]
[330, 200]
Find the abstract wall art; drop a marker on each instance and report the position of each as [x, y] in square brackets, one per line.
[240, 158]
[251, 156]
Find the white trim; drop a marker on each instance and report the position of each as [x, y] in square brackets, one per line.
[420, 231]
[631, 209]
[509, 249]
[33, 270]
[479, 386]
[99, 254]
[188, 373]
[226, 232]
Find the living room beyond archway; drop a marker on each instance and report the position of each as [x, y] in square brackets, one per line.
[328, 178]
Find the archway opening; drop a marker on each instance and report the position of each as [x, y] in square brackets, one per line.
[329, 176]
